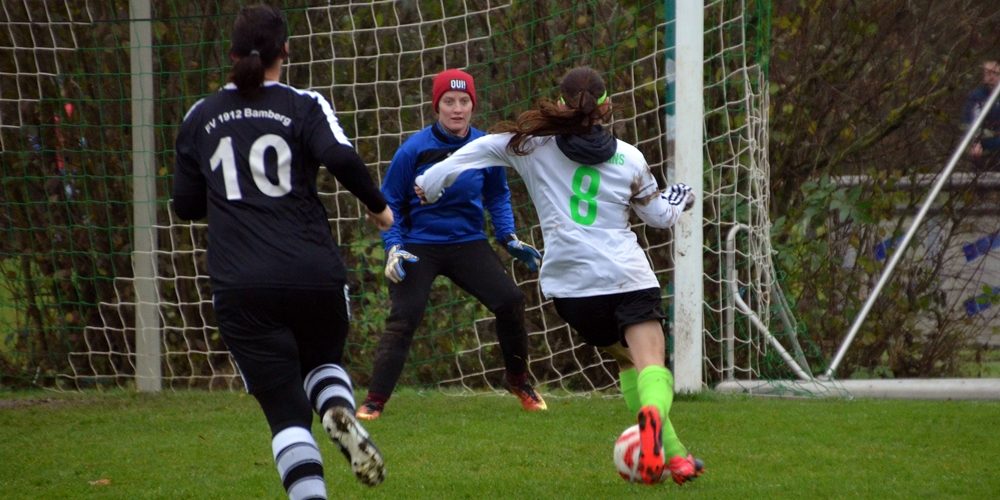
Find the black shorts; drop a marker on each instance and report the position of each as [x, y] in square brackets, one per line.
[277, 335]
[601, 320]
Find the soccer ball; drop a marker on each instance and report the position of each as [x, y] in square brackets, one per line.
[627, 454]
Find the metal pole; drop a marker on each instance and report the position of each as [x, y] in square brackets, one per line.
[688, 239]
[734, 294]
[147, 317]
[730, 330]
[898, 253]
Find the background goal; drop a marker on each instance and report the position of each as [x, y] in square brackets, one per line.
[91, 93]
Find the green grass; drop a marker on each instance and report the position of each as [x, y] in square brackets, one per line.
[216, 445]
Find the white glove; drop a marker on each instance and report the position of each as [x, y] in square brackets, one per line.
[680, 195]
[394, 263]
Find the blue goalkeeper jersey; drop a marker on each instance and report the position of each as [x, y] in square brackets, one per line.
[459, 215]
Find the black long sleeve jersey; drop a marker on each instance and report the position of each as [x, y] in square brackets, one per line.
[251, 167]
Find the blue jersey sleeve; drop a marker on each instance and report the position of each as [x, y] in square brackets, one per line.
[397, 187]
[496, 200]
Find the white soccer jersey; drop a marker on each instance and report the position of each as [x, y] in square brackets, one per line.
[583, 209]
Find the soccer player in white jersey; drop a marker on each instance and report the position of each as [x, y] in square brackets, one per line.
[583, 181]
[247, 158]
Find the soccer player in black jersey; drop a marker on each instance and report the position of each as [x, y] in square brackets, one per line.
[248, 157]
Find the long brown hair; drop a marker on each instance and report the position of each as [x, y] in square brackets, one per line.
[259, 36]
[581, 88]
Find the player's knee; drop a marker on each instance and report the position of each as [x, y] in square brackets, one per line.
[401, 327]
[511, 304]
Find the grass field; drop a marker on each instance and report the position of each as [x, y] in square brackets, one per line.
[179, 445]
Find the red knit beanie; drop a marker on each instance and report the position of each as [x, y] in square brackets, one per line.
[453, 79]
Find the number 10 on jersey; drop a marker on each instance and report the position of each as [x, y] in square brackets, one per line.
[225, 156]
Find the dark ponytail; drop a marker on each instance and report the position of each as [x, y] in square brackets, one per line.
[258, 40]
[582, 92]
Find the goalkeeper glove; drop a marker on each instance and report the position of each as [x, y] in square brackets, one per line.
[680, 195]
[394, 263]
[523, 252]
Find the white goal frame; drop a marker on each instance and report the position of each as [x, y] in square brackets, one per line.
[688, 140]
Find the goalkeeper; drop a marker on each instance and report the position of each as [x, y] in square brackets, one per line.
[448, 239]
[583, 182]
[247, 158]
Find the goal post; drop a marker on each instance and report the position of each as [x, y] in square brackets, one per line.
[148, 368]
[689, 164]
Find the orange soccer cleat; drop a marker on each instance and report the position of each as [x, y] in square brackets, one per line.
[531, 400]
[684, 469]
[370, 410]
[650, 445]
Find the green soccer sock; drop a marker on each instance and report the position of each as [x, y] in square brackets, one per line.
[629, 380]
[656, 387]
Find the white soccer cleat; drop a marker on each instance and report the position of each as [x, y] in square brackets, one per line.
[347, 433]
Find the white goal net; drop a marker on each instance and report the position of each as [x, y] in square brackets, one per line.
[375, 61]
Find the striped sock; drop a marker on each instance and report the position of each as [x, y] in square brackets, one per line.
[299, 463]
[327, 386]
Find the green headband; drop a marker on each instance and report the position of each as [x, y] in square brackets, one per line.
[600, 100]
